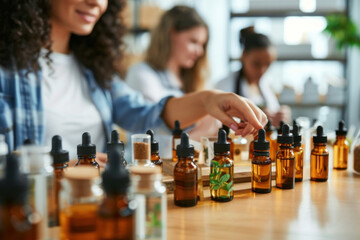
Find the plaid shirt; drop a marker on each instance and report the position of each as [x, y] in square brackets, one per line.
[22, 114]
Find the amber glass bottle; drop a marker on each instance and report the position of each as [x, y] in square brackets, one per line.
[299, 154]
[115, 216]
[261, 165]
[115, 143]
[251, 149]
[176, 136]
[285, 160]
[60, 164]
[79, 199]
[155, 157]
[341, 148]
[185, 174]
[227, 130]
[319, 163]
[271, 138]
[279, 132]
[17, 220]
[87, 152]
[222, 171]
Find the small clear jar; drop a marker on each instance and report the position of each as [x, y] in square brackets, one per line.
[141, 150]
[79, 198]
[150, 196]
[355, 153]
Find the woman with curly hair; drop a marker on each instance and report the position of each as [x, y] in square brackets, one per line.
[57, 75]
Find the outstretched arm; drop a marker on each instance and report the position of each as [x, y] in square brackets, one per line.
[223, 106]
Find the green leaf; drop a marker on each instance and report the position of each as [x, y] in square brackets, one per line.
[216, 187]
[213, 181]
[224, 178]
[215, 163]
[228, 186]
[212, 175]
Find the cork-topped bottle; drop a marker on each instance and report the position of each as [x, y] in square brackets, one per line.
[341, 148]
[115, 216]
[115, 143]
[299, 154]
[319, 163]
[185, 174]
[86, 152]
[60, 164]
[261, 165]
[155, 157]
[285, 160]
[17, 219]
[222, 171]
[176, 137]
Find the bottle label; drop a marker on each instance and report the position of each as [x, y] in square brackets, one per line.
[221, 179]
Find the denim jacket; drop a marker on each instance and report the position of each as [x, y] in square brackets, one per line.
[22, 114]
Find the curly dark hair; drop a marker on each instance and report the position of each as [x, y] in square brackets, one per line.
[25, 28]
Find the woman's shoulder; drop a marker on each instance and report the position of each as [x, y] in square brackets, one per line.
[227, 83]
[140, 72]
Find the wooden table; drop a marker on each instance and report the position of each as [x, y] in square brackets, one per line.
[313, 210]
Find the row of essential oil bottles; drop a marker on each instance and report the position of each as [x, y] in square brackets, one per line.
[36, 195]
[290, 158]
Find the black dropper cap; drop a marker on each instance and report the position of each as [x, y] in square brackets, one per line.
[184, 149]
[177, 130]
[14, 187]
[342, 131]
[261, 144]
[221, 145]
[297, 136]
[115, 142]
[154, 143]
[320, 138]
[115, 178]
[280, 129]
[60, 156]
[286, 137]
[86, 148]
[227, 130]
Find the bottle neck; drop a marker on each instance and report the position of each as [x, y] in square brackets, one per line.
[286, 146]
[189, 158]
[227, 153]
[341, 137]
[87, 158]
[60, 166]
[319, 144]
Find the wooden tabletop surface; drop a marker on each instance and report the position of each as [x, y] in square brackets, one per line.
[312, 210]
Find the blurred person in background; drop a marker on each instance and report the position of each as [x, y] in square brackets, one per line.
[257, 56]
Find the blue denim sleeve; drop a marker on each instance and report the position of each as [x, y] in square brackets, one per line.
[133, 112]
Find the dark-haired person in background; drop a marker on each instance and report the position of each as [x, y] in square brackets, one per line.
[257, 56]
[57, 76]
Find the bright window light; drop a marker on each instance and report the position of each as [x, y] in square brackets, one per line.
[307, 6]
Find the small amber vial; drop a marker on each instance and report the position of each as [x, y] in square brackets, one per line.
[176, 137]
[115, 218]
[60, 164]
[261, 165]
[319, 163]
[87, 153]
[17, 219]
[299, 154]
[285, 160]
[251, 149]
[185, 175]
[279, 132]
[222, 171]
[155, 157]
[341, 148]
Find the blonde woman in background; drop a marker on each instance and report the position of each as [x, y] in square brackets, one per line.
[175, 62]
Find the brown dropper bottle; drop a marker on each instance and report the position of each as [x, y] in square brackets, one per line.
[155, 157]
[115, 218]
[60, 164]
[185, 174]
[115, 143]
[222, 171]
[279, 132]
[261, 165]
[87, 152]
[271, 137]
[17, 219]
[319, 163]
[176, 135]
[341, 148]
[285, 160]
[299, 154]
